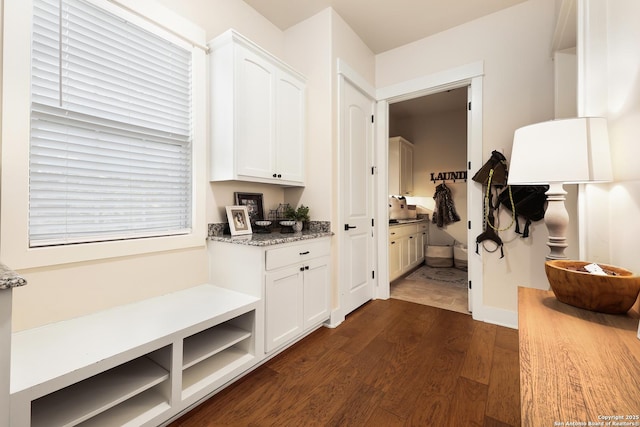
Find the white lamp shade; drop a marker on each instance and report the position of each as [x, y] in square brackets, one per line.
[561, 151]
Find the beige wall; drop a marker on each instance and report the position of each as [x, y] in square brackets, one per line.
[440, 145]
[215, 17]
[71, 290]
[313, 47]
[514, 45]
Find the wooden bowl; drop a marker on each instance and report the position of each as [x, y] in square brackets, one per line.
[614, 294]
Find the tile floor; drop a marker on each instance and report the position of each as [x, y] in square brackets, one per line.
[441, 295]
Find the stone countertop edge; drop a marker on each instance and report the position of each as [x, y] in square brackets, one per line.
[9, 278]
[270, 239]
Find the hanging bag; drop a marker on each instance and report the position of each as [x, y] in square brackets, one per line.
[526, 201]
[496, 163]
[492, 174]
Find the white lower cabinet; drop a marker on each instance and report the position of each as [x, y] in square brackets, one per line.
[293, 280]
[406, 247]
[297, 294]
[283, 307]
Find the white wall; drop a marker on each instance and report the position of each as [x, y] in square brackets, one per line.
[612, 211]
[624, 121]
[518, 89]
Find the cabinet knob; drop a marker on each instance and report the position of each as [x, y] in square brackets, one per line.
[306, 267]
[301, 268]
[275, 175]
[393, 243]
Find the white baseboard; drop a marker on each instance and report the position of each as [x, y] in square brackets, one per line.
[501, 317]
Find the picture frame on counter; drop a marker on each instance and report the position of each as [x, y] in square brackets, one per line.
[254, 204]
[239, 222]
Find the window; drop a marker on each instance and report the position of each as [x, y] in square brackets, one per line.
[103, 131]
[110, 145]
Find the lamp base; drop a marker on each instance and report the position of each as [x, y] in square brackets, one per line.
[556, 219]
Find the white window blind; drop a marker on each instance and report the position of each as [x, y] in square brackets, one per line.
[111, 138]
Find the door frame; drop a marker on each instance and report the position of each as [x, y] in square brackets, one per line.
[470, 75]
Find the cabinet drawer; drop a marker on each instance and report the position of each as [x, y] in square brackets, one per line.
[287, 255]
[402, 230]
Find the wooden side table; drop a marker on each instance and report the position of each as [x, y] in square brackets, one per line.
[577, 367]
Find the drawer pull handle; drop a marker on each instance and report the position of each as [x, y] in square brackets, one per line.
[393, 243]
[304, 253]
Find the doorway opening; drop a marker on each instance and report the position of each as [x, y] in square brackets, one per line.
[433, 269]
[468, 76]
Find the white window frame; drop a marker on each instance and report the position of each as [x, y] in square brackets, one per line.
[14, 194]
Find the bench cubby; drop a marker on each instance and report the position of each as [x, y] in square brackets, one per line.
[138, 364]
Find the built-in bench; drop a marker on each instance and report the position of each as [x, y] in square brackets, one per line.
[137, 364]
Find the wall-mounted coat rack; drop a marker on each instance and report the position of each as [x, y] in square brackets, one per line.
[451, 176]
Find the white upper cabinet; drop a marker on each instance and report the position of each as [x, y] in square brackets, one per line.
[258, 114]
[400, 167]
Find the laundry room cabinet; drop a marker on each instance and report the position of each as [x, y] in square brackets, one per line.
[400, 166]
[257, 114]
[406, 247]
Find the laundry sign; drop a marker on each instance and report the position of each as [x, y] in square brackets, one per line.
[449, 176]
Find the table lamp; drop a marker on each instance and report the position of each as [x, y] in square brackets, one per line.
[557, 152]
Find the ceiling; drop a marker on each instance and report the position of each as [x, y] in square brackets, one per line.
[450, 100]
[384, 24]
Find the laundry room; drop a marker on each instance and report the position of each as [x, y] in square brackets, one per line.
[428, 188]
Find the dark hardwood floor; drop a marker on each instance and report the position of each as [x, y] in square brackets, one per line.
[391, 363]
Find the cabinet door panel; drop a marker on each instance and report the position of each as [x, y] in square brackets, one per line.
[254, 123]
[406, 179]
[284, 318]
[290, 114]
[395, 267]
[316, 291]
[413, 249]
[404, 253]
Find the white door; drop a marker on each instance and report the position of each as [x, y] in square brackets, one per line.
[356, 187]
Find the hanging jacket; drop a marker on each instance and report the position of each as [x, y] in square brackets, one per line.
[445, 211]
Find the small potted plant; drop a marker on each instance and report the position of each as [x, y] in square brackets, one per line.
[299, 215]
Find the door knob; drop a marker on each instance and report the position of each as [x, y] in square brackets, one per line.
[347, 227]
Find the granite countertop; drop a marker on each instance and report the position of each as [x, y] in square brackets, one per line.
[268, 239]
[9, 278]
